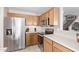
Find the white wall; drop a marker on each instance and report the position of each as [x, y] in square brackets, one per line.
[2, 15]
[61, 18]
[1, 26]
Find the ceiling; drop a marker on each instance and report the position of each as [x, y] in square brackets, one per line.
[31, 10]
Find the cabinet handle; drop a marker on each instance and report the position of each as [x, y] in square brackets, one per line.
[48, 20]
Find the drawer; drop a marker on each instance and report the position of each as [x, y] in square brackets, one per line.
[60, 47]
[47, 40]
[56, 49]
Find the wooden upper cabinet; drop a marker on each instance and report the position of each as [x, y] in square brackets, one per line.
[16, 15]
[51, 17]
[32, 20]
[35, 20]
[46, 15]
[56, 16]
[28, 20]
[43, 17]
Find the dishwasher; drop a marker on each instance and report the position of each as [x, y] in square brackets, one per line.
[40, 40]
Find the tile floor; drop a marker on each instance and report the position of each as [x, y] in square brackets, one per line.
[34, 48]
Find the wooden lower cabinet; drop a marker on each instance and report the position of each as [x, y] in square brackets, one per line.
[55, 49]
[47, 45]
[35, 38]
[51, 46]
[59, 48]
[31, 39]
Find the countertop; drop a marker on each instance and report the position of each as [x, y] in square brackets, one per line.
[32, 32]
[65, 41]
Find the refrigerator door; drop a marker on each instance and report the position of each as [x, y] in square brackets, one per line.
[18, 33]
[15, 40]
[8, 39]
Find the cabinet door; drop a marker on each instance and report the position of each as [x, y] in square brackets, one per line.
[56, 16]
[59, 48]
[35, 20]
[45, 15]
[35, 41]
[51, 17]
[29, 20]
[31, 39]
[40, 18]
[27, 41]
[32, 20]
[56, 49]
[47, 45]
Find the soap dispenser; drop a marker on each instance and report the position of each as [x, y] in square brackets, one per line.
[35, 29]
[77, 36]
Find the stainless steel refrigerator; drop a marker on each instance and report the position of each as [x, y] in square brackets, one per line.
[14, 33]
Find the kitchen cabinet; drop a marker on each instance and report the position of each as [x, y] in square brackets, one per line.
[31, 39]
[35, 38]
[35, 20]
[60, 48]
[29, 20]
[54, 16]
[45, 15]
[43, 18]
[51, 17]
[32, 20]
[52, 46]
[47, 45]
[55, 49]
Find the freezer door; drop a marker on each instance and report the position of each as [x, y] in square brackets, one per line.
[8, 39]
[18, 33]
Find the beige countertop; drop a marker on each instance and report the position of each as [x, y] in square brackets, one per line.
[70, 43]
[32, 32]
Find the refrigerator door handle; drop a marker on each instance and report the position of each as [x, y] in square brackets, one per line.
[13, 35]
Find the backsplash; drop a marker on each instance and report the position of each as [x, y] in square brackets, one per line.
[38, 28]
[31, 28]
